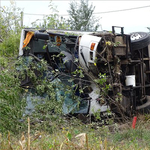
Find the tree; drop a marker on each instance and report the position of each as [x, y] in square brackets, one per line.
[10, 29]
[52, 21]
[81, 16]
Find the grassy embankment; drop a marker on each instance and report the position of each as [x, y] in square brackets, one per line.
[76, 135]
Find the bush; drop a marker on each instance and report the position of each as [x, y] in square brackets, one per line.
[11, 105]
[10, 45]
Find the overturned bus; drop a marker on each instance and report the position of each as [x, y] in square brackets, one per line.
[115, 64]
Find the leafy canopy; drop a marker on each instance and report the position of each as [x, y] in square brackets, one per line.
[52, 21]
[10, 29]
[81, 16]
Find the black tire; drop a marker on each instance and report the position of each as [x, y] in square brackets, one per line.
[139, 40]
[145, 108]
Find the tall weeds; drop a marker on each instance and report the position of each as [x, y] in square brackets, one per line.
[11, 104]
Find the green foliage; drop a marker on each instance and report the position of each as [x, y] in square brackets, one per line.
[10, 29]
[13, 97]
[101, 81]
[133, 137]
[71, 135]
[81, 16]
[78, 72]
[10, 44]
[3, 62]
[11, 104]
[51, 21]
[47, 93]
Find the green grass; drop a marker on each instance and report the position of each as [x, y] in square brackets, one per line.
[93, 137]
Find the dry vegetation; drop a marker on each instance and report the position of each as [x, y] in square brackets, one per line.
[83, 137]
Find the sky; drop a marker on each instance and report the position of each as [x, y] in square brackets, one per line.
[132, 20]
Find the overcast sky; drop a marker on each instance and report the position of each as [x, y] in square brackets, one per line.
[132, 20]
